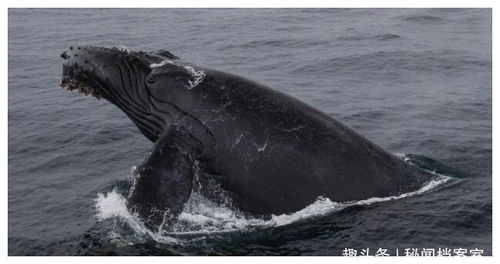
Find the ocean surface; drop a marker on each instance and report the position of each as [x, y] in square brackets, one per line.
[415, 81]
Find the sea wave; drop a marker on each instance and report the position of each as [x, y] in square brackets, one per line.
[204, 217]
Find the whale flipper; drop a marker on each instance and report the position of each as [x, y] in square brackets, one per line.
[164, 181]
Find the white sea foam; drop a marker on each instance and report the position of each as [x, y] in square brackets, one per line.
[119, 47]
[123, 48]
[163, 62]
[114, 205]
[196, 75]
[201, 216]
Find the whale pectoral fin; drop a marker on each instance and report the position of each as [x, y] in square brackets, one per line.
[164, 181]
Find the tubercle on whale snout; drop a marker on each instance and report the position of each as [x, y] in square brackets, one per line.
[89, 68]
[78, 71]
[72, 82]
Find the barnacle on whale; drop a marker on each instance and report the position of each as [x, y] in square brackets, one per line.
[72, 84]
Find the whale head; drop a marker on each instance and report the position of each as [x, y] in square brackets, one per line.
[119, 76]
[147, 87]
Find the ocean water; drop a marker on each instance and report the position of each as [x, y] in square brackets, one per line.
[415, 81]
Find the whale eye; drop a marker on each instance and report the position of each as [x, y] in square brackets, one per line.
[151, 79]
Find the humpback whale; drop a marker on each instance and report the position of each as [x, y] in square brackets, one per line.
[268, 151]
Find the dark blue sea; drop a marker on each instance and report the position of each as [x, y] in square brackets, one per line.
[417, 82]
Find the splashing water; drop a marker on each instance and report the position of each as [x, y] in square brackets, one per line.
[114, 205]
[163, 62]
[197, 75]
[202, 216]
[123, 48]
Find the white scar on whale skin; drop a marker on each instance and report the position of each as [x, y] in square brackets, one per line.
[237, 141]
[263, 146]
[197, 76]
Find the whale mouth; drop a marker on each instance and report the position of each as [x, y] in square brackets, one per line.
[76, 78]
[78, 73]
[70, 84]
[105, 72]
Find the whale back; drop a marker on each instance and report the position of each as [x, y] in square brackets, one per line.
[279, 154]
